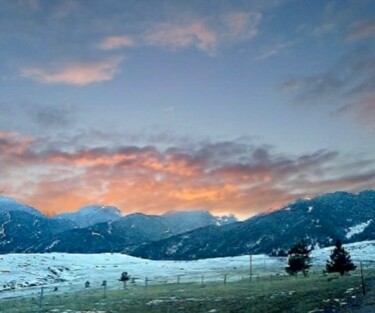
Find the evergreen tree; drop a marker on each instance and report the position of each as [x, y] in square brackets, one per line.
[298, 259]
[339, 260]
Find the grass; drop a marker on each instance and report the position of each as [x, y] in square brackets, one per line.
[271, 295]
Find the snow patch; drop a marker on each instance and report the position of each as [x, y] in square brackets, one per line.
[357, 229]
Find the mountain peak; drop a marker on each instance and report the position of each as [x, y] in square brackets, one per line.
[92, 214]
[8, 204]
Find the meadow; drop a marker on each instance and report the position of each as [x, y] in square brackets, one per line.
[271, 294]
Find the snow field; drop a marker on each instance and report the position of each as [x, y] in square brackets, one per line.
[24, 274]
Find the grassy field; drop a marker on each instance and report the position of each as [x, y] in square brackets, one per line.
[315, 293]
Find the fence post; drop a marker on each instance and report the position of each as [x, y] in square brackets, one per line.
[362, 280]
[41, 297]
[104, 284]
[146, 282]
[178, 279]
[251, 267]
[225, 279]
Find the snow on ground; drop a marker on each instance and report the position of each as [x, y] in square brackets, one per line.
[23, 274]
[357, 229]
[359, 251]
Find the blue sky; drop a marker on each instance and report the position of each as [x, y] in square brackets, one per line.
[233, 106]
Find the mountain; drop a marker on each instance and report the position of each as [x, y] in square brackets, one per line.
[184, 221]
[90, 229]
[110, 236]
[21, 231]
[189, 235]
[91, 215]
[11, 205]
[320, 221]
[133, 229]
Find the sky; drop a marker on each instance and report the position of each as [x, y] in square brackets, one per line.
[228, 106]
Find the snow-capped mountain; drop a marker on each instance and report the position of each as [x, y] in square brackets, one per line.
[90, 229]
[91, 215]
[114, 236]
[183, 221]
[189, 235]
[11, 205]
[24, 232]
[320, 221]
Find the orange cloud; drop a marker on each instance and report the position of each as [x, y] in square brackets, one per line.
[227, 177]
[77, 73]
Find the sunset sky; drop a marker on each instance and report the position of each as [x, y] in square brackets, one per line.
[151, 106]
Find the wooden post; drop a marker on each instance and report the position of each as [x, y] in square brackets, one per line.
[104, 284]
[225, 279]
[251, 267]
[362, 280]
[41, 297]
[146, 282]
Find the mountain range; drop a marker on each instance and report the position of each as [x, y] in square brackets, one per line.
[319, 221]
[192, 234]
[91, 229]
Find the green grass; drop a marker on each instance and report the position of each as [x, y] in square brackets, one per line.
[279, 294]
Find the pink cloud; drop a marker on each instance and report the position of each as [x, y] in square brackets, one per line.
[116, 42]
[242, 25]
[181, 36]
[76, 73]
[205, 34]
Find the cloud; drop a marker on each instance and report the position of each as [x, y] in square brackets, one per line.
[361, 30]
[13, 143]
[76, 73]
[55, 116]
[116, 42]
[348, 82]
[223, 177]
[205, 34]
[65, 8]
[181, 36]
[363, 110]
[241, 26]
[31, 4]
[275, 50]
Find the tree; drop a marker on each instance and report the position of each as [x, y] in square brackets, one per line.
[298, 259]
[339, 260]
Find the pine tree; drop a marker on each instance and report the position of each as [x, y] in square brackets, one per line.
[339, 260]
[298, 259]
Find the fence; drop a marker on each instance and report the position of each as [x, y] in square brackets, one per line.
[50, 297]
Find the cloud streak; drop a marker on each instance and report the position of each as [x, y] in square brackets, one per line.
[75, 73]
[350, 82]
[205, 34]
[116, 42]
